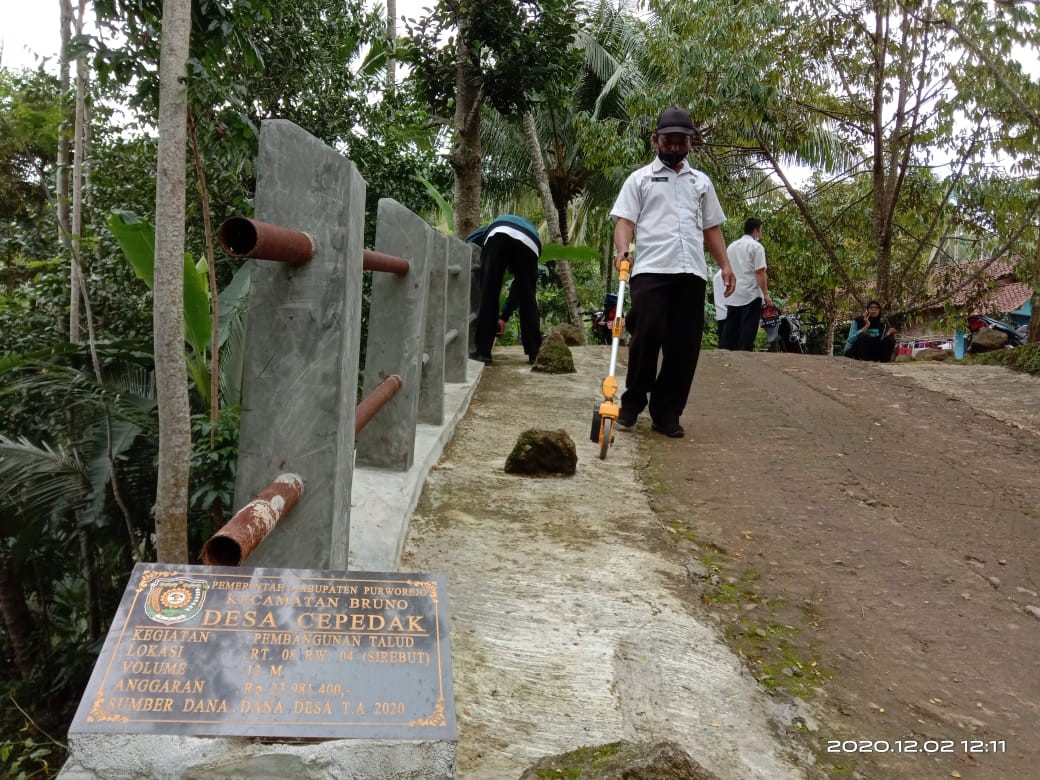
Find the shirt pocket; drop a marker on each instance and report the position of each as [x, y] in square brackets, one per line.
[690, 201]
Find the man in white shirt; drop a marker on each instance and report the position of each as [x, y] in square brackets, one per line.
[673, 212]
[744, 307]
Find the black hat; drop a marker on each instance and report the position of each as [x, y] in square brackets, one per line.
[674, 120]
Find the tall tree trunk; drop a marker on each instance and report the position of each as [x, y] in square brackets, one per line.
[552, 219]
[541, 178]
[79, 146]
[1034, 301]
[17, 619]
[171, 501]
[78, 298]
[64, 162]
[464, 156]
[391, 42]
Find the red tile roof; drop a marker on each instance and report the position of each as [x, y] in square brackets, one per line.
[1005, 299]
[1007, 295]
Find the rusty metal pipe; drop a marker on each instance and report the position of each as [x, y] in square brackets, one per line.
[378, 261]
[375, 401]
[245, 237]
[233, 543]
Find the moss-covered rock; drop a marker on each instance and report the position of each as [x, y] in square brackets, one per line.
[540, 453]
[621, 761]
[554, 357]
[572, 335]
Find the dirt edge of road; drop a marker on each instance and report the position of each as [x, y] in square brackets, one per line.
[890, 623]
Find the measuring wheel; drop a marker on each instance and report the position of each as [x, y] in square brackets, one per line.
[606, 434]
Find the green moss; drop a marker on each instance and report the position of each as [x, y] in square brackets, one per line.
[769, 651]
[554, 357]
[571, 334]
[1025, 358]
[656, 486]
[767, 645]
[575, 764]
[735, 587]
[726, 594]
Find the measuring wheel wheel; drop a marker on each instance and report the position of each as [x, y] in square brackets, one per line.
[604, 438]
[594, 433]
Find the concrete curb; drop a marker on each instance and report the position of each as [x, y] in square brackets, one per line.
[382, 501]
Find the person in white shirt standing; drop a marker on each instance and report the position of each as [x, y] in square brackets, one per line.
[673, 212]
[744, 307]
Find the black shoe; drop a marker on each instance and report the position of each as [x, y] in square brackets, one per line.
[482, 358]
[532, 359]
[672, 430]
[626, 421]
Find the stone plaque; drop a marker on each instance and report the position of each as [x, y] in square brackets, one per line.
[223, 651]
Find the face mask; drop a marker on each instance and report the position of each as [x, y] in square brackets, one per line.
[672, 159]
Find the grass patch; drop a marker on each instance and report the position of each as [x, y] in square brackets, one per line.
[775, 660]
[1025, 358]
[579, 762]
[760, 634]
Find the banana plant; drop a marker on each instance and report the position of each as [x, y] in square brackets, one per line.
[137, 240]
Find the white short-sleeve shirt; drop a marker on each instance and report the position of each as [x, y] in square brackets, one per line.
[746, 256]
[671, 211]
[718, 295]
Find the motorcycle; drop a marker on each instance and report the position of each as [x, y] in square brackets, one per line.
[784, 332]
[1017, 336]
[603, 319]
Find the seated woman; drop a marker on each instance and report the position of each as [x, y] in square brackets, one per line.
[870, 338]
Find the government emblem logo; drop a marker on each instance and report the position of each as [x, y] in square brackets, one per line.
[174, 599]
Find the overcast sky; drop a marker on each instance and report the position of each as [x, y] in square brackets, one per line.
[29, 28]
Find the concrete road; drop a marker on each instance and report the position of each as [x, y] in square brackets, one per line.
[570, 626]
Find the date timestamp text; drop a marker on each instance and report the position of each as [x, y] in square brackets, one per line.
[928, 746]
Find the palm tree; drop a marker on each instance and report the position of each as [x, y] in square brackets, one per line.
[546, 152]
[70, 487]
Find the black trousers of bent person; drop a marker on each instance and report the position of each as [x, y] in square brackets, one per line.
[670, 324]
[502, 252]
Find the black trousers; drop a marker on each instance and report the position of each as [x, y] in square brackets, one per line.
[876, 348]
[502, 252]
[670, 325]
[741, 326]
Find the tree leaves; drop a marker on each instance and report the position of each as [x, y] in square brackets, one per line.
[137, 240]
